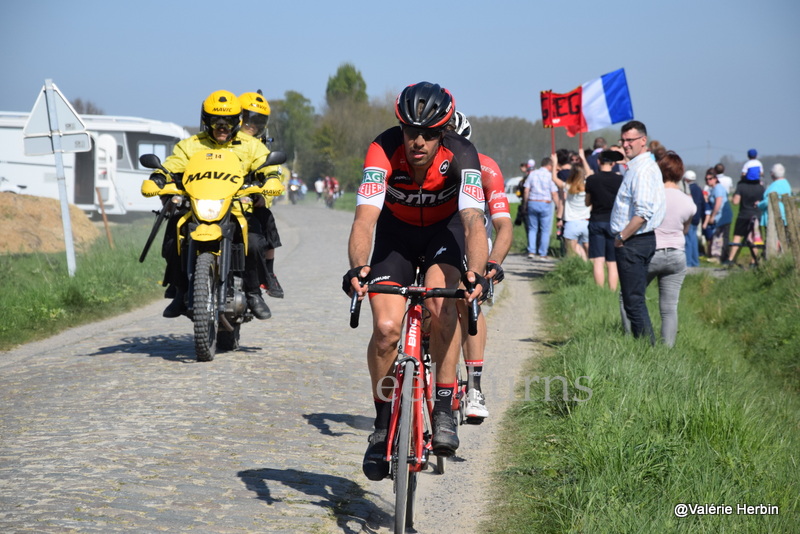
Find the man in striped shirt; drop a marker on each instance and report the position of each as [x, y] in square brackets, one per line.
[638, 210]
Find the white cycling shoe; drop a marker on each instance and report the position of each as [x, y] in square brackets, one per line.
[476, 405]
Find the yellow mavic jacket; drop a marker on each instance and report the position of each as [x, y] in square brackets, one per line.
[250, 151]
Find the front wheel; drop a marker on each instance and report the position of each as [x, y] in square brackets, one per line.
[204, 307]
[405, 481]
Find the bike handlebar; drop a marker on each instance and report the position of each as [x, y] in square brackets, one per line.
[420, 292]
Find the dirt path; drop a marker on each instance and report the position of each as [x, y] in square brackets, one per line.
[113, 427]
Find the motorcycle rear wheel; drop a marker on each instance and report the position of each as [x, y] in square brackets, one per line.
[228, 340]
[204, 307]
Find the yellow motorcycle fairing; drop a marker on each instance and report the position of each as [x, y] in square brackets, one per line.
[212, 180]
[213, 176]
[207, 232]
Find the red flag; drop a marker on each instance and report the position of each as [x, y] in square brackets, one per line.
[563, 110]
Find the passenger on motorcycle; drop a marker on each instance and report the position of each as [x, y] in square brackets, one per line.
[420, 196]
[220, 116]
[497, 216]
[255, 119]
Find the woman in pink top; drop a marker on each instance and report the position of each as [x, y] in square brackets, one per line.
[669, 262]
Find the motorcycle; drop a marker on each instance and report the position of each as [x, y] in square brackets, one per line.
[212, 240]
[294, 192]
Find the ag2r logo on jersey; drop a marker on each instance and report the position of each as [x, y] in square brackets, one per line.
[373, 183]
[472, 185]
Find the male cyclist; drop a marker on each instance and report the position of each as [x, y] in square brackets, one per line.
[220, 116]
[255, 117]
[499, 217]
[420, 196]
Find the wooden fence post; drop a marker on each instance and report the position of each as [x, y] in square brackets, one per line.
[771, 238]
[792, 228]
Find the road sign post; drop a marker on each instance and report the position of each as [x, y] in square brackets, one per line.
[54, 128]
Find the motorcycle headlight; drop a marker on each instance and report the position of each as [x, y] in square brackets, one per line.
[208, 210]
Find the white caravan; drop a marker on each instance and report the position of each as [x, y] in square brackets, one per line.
[111, 168]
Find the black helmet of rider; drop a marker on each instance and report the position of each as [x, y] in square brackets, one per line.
[460, 125]
[221, 107]
[424, 105]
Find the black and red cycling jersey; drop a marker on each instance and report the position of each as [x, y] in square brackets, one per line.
[453, 181]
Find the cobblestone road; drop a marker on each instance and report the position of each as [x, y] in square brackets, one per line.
[113, 427]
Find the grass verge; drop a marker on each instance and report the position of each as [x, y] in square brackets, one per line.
[711, 421]
[38, 298]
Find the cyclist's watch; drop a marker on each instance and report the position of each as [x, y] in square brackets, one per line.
[619, 236]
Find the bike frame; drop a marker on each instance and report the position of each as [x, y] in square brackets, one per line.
[422, 389]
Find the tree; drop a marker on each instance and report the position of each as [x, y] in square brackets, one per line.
[347, 85]
[291, 125]
[86, 108]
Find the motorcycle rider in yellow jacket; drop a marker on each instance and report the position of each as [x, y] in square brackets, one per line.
[255, 118]
[221, 120]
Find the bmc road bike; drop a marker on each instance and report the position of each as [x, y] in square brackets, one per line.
[408, 444]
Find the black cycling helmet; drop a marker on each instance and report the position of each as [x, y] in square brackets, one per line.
[424, 105]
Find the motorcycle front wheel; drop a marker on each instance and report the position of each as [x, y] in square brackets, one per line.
[204, 307]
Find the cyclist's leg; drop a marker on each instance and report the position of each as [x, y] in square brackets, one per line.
[389, 265]
[473, 348]
[444, 257]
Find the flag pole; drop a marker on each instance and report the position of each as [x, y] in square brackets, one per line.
[552, 140]
[580, 141]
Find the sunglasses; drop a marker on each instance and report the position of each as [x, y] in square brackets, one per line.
[224, 122]
[427, 134]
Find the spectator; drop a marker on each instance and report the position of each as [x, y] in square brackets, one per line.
[638, 210]
[779, 185]
[574, 213]
[522, 210]
[753, 170]
[563, 160]
[669, 261]
[319, 187]
[601, 189]
[724, 179]
[721, 215]
[747, 195]
[692, 245]
[657, 149]
[540, 194]
[707, 231]
[599, 146]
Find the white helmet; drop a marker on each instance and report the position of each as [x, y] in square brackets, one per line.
[460, 124]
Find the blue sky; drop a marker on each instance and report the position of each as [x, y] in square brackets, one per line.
[708, 78]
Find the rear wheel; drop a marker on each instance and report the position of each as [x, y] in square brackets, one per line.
[228, 340]
[204, 307]
[404, 480]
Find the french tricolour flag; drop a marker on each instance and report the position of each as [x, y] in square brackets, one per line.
[606, 101]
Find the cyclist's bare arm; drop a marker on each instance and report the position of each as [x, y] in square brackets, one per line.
[360, 244]
[477, 246]
[504, 237]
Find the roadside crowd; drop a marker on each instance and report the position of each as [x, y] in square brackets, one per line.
[608, 198]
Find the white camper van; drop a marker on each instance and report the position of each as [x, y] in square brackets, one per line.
[111, 167]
